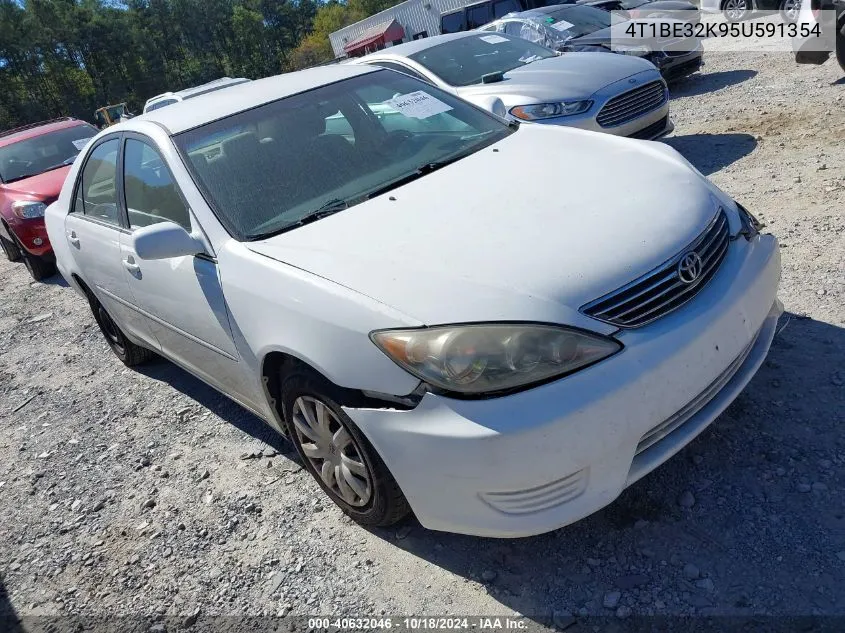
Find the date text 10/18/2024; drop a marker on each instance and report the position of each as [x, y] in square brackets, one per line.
[476, 623]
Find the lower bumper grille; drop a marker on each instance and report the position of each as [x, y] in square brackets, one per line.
[650, 131]
[540, 498]
[699, 402]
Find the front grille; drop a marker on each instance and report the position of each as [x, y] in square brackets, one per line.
[697, 404]
[650, 131]
[661, 291]
[632, 104]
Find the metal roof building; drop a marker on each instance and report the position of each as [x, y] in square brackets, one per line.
[409, 20]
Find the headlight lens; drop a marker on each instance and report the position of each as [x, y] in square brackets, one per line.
[483, 359]
[549, 110]
[637, 51]
[27, 209]
[750, 225]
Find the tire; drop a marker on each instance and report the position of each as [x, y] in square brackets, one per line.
[789, 10]
[128, 352]
[39, 267]
[736, 10]
[840, 46]
[11, 250]
[382, 503]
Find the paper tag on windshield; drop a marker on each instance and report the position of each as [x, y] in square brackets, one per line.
[81, 142]
[561, 25]
[418, 105]
[494, 39]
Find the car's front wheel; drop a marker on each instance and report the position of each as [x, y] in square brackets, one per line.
[39, 267]
[736, 10]
[128, 352]
[337, 455]
[10, 249]
[840, 46]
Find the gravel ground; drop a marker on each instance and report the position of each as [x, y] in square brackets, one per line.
[145, 492]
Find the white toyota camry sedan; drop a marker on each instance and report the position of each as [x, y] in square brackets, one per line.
[445, 313]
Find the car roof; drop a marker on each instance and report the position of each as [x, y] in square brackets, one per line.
[223, 82]
[410, 48]
[215, 105]
[31, 131]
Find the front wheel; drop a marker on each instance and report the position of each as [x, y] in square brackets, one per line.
[840, 46]
[736, 10]
[10, 249]
[338, 456]
[39, 267]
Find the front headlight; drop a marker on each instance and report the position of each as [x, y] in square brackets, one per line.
[490, 358]
[28, 209]
[550, 110]
[750, 225]
[637, 51]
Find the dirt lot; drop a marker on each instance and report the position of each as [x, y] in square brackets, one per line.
[126, 492]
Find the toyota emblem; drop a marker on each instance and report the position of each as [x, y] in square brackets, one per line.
[689, 268]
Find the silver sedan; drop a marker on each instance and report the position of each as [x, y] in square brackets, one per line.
[523, 81]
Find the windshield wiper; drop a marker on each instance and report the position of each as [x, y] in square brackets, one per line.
[64, 163]
[329, 208]
[421, 171]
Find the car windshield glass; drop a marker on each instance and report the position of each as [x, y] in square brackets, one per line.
[573, 22]
[44, 152]
[464, 61]
[280, 165]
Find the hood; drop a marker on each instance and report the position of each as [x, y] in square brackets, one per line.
[566, 76]
[554, 218]
[45, 186]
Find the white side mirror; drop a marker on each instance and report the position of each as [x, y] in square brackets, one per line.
[164, 240]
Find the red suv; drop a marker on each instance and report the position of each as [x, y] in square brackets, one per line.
[34, 161]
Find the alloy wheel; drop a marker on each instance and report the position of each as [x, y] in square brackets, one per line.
[332, 451]
[735, 9]
[791, 8]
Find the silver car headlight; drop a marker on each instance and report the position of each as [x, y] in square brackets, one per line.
[489, 358]
[28, 209]
[750, 225]
[636, 51]
[549, 110]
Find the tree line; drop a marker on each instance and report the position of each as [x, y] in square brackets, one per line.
[70, 57]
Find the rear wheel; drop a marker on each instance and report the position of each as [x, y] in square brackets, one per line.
[11, 250]
[736, 10]
[789, 10]
[39, 267]
[338, 456]
[129, 353]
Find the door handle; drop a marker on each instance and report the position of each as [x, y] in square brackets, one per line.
[71, 237]
[130, 265]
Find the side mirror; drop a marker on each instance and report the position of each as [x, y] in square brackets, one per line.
[164, 240]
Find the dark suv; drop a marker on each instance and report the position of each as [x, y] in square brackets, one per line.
[34, 160]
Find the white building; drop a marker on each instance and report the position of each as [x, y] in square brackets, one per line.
[404, 22]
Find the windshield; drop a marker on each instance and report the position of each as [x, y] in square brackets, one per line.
[577, 21]
[38, 154]
[464, 61]
[271, 168]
